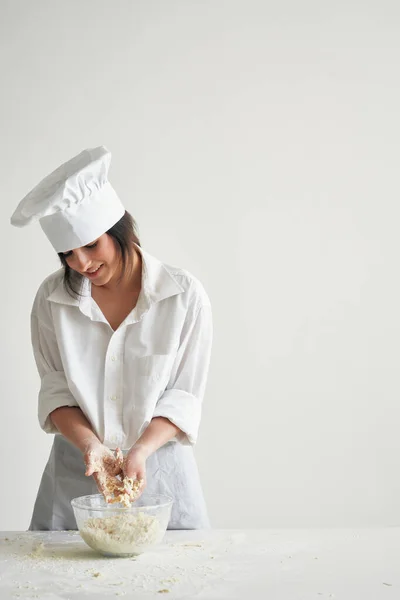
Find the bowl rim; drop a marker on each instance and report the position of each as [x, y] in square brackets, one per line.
[75, 502]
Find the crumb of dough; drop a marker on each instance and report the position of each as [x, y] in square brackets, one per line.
[37, 550]
[163, 591]
[121, 534]
[125, 491]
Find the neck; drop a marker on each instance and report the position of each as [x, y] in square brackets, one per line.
[131, 279]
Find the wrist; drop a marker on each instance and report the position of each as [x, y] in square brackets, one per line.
[143, 449]
[89, 443]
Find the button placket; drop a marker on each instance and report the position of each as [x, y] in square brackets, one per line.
[112, 389]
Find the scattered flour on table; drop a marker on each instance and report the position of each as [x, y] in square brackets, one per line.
[125, 533]
[175, 570]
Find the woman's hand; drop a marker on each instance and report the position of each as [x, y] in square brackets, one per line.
[134, 467]
[104, 465]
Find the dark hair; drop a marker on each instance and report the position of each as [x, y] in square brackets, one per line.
[124, 234]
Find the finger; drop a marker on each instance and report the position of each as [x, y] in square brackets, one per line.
[102, 487]
[140, 491]
[119, 458]
[117, 470]
[92, 466]
[141, 474]
[127, 470]
[132, 470]
[89, 470]
[91, 459]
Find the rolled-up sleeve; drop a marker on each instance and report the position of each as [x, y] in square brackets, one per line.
[54, 391]
[181, 401]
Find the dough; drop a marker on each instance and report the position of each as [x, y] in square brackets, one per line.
[126, 533]
[111, 481]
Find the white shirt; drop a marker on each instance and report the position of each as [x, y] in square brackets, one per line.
[154, 365]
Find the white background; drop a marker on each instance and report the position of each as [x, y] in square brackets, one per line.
[257, 145]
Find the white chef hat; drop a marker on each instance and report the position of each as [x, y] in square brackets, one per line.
[75, 204]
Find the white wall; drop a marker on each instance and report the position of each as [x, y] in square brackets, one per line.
[256, 144]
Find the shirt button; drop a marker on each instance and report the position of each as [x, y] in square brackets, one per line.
[114, 398]
[113, 358]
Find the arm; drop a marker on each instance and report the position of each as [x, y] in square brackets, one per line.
[99, 460]
[159, 432]
[72, 423]
[182, 400]
[58, 410]
[54, 391]
[178, 411]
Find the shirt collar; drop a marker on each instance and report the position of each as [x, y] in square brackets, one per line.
[157, 284]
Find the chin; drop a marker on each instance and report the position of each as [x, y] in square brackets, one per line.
[100, 282]
[103, 281]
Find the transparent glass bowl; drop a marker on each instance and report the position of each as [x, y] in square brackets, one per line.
[114, 530]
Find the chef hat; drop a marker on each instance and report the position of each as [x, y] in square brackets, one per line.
[75, 204]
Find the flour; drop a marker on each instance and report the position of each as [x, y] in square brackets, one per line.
[32, 563]
[122, 534]
[37, 550]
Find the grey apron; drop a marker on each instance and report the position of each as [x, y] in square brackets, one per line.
[171, 470]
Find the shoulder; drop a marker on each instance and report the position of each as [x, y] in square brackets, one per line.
[46, 288]
[192, 286]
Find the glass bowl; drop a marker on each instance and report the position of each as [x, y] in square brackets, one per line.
[114, 530]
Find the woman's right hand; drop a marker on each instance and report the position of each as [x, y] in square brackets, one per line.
[104, 465]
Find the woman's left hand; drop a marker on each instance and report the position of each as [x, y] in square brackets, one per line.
[134, 465]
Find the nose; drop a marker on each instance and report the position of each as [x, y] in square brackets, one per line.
[81, 260]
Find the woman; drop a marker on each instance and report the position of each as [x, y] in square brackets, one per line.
[122, 344]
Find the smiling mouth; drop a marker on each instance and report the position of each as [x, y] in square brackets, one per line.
[93, 272]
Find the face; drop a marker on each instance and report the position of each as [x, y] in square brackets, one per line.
[99, 261]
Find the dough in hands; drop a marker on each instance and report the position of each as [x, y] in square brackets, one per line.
[111, 480]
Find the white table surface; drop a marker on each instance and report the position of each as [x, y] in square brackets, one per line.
[274, 564]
